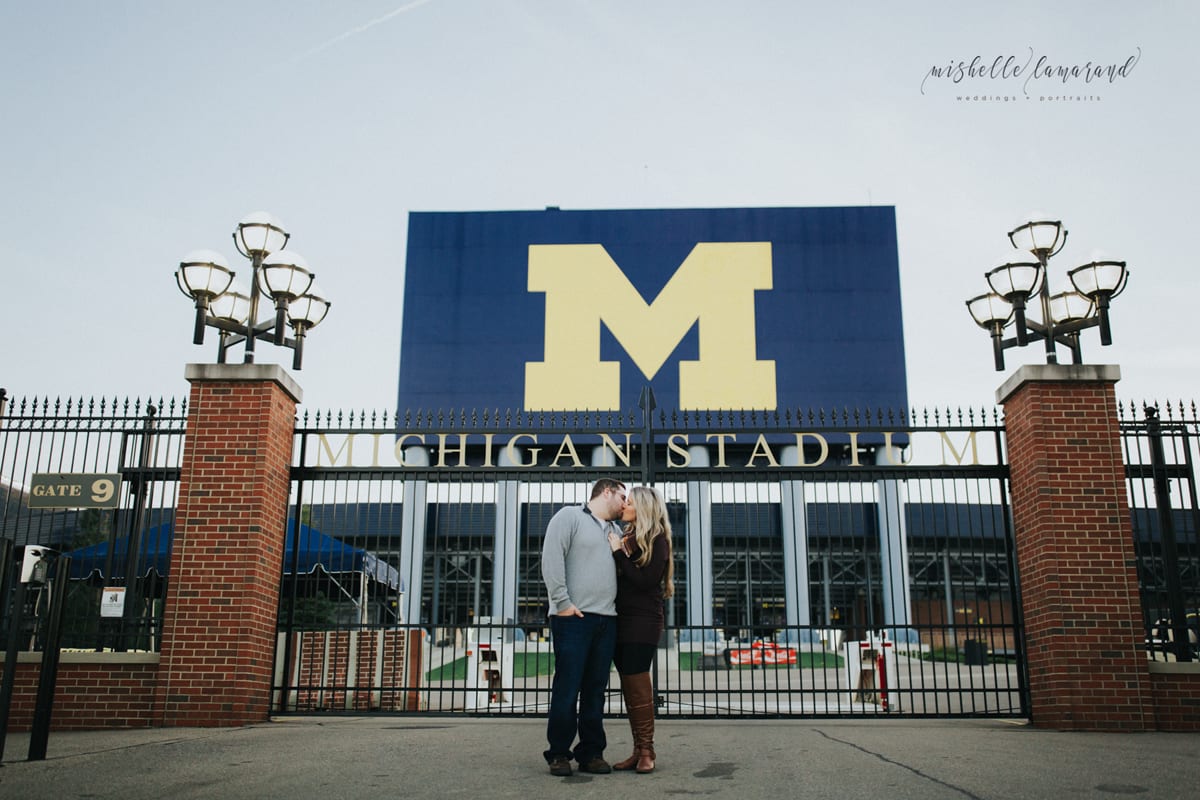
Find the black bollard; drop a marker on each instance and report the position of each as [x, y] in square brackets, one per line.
[16, 622]
[48, 679]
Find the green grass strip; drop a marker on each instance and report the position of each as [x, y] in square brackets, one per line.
[525, 665]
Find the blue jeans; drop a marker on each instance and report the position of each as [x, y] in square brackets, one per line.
[583, 653]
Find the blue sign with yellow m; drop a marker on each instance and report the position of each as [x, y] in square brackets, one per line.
[748, 308]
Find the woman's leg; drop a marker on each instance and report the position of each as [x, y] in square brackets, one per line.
[633, 663]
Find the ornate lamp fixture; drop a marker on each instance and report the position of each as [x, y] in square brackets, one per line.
[1020, 278]
[279, 274]
[992, 312]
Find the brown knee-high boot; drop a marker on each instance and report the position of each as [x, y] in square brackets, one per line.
[639, 704]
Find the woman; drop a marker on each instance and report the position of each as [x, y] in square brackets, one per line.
[645, 577]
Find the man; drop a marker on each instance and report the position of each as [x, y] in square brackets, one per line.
[581, 580]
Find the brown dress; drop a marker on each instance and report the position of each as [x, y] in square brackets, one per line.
[639, 594]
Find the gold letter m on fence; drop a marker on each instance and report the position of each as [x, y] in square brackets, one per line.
[713, 288]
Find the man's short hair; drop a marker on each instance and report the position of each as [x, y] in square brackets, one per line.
[603, 485]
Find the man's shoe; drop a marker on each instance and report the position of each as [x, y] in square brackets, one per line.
[560, 767]
[596, 766]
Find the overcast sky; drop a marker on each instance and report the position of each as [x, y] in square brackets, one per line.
[136, 131]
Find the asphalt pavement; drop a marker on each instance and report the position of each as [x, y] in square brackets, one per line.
[453, 756]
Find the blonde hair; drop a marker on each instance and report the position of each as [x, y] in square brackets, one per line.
[651, 523]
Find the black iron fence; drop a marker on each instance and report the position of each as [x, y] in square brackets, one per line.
[118, 537]
[1160, 456]
[826, 564]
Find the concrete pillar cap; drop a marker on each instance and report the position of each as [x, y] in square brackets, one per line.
[1057, 373]
[245, 372]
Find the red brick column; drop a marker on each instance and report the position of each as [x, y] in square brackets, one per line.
[219, 627]
[1079, 592]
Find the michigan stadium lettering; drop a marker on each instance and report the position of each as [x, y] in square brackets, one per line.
[774, 450]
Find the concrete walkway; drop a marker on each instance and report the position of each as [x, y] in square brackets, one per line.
[442, 756]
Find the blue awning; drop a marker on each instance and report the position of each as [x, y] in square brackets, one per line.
[316, 551]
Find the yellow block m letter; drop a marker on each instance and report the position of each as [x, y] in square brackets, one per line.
[714, 288]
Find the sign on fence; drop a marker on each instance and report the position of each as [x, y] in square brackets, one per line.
[112, 603]
[75, 490]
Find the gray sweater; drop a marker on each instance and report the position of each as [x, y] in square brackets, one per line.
[577, 563]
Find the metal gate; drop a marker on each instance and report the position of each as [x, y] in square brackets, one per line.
[125, 544]
[1161, 446]
[826, 565]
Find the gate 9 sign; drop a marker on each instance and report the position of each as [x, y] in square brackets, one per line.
[75, 490]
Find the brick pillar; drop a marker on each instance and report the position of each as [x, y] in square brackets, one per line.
[219, 626]
[1074, 542]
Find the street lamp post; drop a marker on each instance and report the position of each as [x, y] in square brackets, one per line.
[1023, 275]
[279, 274]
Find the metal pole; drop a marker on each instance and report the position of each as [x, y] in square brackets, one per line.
[252, 322]
[1014, 589]
[201, 321]
[298, 350]
[1166, 524]
[870, 595]
[7, 550]
[16, 622]
[134, 554]
[40, 731]
[998, 347]
[292, 566]
[477, 586]
[949, 597]
[1076, 349]
[827, 588]
[647, 403]
[1047, 321]
[1102, 317]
